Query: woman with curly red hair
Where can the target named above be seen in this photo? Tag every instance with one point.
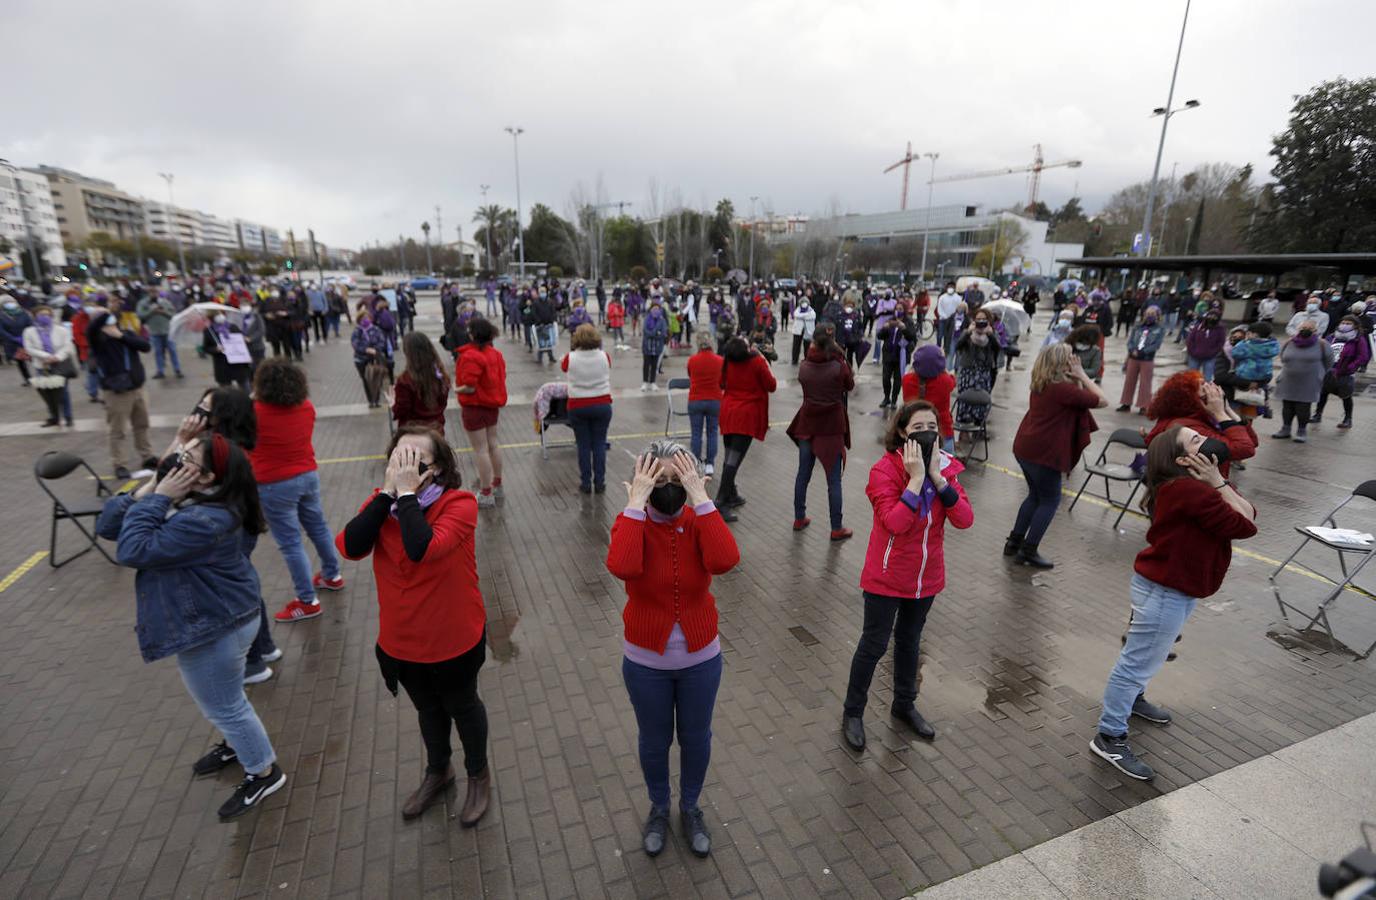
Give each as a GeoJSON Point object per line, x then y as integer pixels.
{"type": "Point", "coordinates": [1187, 399]}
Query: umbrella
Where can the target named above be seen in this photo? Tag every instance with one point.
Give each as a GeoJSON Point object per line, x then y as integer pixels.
{"type": "Point", "coordinates": [196, 318]}
{"type": "Point", "coordinates": [1069, 286]}
{"type": "Point", "coordinates": [1010, 309]}
{"type": "Point", "coordinates": [738, 275]}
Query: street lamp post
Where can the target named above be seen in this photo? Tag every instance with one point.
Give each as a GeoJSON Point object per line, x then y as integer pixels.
{"type": "Point", "coordinates": [516, 133]}
{"type": "Point", "coordinates": [429, 264]}
{"type": "Point", "coordinates": [176, 232]}
{"type": "Point", "coordinates": [24, 220]}
{"type": "Point", "coordinates": [1165, 112]}
{"type": "Point", "coordinates": [927, 229]}
{"type": "Point", "coordinates": [491, 266]}
{"type": "Point", "coordinates": [401, 243]}
{"type": "Point", "coordinates": [751, 273]}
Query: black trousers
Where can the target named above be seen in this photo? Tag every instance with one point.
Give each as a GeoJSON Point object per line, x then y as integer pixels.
{"type": "Point", "coordinates": [798, 341]}
{"type": "Point", "coordinates": [649, 368]}
{"type": "Point", "coordinates": [1323, 401]}
{"type": "Point", "coordinates": [318, 323]}
{"type": "Point", "coordinates": [445, 695]}
{"type": "Point", "coordinates": [892, 380]}
{"type": "Point", "coordinates": [735, 445]}
{"type": "Point", "coordinates": [904, 618]}
{"type": "Point", "coordinates": [1290, 410]}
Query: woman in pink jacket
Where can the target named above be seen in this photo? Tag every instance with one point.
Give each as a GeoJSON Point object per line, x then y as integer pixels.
{"type": "Point", "coordinates": [914, 492]}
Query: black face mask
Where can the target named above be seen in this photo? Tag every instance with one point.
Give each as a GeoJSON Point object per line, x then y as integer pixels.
{"type": "Point", "coordinates": [1215, 448]}
{"type": "Point", "coordinates": [169, 464]}
{"type": "Point", "coordinates": [668, 498]}
{"type": "Point", "coordinates": [926, 440]}
{"type": "Point", "coordinates": [1306, 332]}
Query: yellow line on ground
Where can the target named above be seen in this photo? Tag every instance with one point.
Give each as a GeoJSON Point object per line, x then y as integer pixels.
{"type": "Point", "coordinates": [20, 569]}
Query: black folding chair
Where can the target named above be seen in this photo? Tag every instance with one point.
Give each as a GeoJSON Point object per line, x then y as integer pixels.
{"type": "Point", "coordinates": [54, 466]}
{"type": "Point", "coordinates": [1365, 552]}
{"type": "Point", "coordinates": [675, 384]}
{"type": "Point", "coordinates": [1115, 471]}
{"type": "Point", "coordinates": [976, 428]}
{"type": "Point", "coordinates": [558, 415]}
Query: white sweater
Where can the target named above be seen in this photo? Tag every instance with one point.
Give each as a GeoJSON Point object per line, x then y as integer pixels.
{"type": "Point", "coordinates": [62, 347]}
{"type": "Point", "coordinates": [590, 373]}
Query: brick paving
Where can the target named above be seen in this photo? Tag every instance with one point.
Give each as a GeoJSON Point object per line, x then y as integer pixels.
{"type": "Point", "coordinates": [96, 798]}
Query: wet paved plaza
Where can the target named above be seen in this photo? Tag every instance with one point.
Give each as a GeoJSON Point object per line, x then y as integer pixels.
{"type": "Point", "coordinates": [97, 798]}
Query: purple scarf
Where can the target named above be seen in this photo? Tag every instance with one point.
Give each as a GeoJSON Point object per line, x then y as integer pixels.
{"type": "Point", "coordinates": [426, 497]}
{"type": "Point", "coordinates": [1300, 340]}
{"type": "Point", "coordinates": [45, 334]}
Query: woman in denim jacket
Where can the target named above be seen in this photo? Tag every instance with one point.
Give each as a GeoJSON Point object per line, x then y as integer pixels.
{"type": "Point", "coordinates": [198, 596]}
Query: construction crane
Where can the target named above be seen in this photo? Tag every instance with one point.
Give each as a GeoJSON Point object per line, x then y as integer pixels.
{"type": "Point", "coordinates": [906, 162]}
{"type": "Point", "coordinates": [1034, 181]}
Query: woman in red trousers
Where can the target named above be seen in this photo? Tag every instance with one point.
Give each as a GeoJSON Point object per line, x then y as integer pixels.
{"type": "Point", "coordinates": [746, 382]}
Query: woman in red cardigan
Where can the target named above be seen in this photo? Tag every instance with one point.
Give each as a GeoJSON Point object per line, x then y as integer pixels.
{"type": "Point", "coordinates": [432, 628]}
{"type": "Point", "coordinates": [746, 384]}
{"type": "Point", "coordinates": [481, 377]}
{"type": "Point", "coordinates": [666, 545]}
{"type": "Point", "coordinates": [1187, 399]}
{"type": "Point", "coordinates": [422, 391]}
{"type": "Point", "coordinates": [1196, 514]}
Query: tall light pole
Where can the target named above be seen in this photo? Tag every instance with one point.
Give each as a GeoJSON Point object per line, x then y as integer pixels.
{"type": "Point", "coordinates": [167, 213]}
{"type": "Point", "coordinates": [491, 266]}
{"type": "Point", "coordinates": [927, 229]}
{"type": "Point", "coordinates": [24, 220]}
{"type": "Point", "coordinates": [1165, 112]}
{"type": "Point", "coordinates": [751, 273]}
{"type": "Point", "coordinates": [516, 133]}
{"type": "Point", "coordinates": [429, 265]}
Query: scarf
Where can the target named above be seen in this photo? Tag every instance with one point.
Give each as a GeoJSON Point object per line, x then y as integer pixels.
{"type": "Point", "coordinates": [1300, 340]}
{"type": "Point", "coordinates": [426, 497]}
{"type": "Point", "coordinates": [45, 334]}
{"type": "Point", "coordinates": [924, 499]}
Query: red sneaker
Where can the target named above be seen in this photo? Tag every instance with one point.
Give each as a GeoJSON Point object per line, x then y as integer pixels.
{"type": "Point", "coordinates": [800, 524]}
{"type": "Point", "coordinates": [841, 534]}
{"type": "Point", "coordinates": [321, 583]}
{"type": "Point", "coordinates": [296, 611]}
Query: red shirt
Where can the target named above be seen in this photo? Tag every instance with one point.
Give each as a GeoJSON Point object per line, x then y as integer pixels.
{"type": "Point", "coordinates": [407, 408]}
{"type": "Point", "coordinates": [284, 447]}
{"type": "Point", "coordinates": [485, 369]}
{"type": "Point", "coordinates": [432, 610]}
{"type": "Point", "coordinates": [1190, 541]}
{"type": "Point", "coordinates": [1056, 428]}
{"type": "Point", "coordinates": [668, 568]}
{"type": "Point", "coordinates": [616, 314]}
{"type": "Point", "coordinates": [704, 376]}
{"type": "Point", "coordinates": [937, 392]}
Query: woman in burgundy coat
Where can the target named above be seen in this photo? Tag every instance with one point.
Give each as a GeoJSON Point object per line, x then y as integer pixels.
{"type": "Point", "coordinates": [746, 382]}
{"type": "Point", "coordinates": [821, 427]}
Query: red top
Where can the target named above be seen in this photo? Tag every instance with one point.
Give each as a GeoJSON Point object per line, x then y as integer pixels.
{"type": "Point", "coordinates": [704, 376]}
{"type": "Point", "coordinates": [906, 554]}
{"type": "Point", "coordinates": [79, 323]}
{"type": "Point", "coordinates": [1190, 541]}
{"type": "Point", "coordinates": [284, 447]}
{"type": "Point", "coordinates": [1056, 428]}
{"type": "Point", "coordinates": [616, 314]}
{"type": "Point", "coordinates": [577, 402]}
{"type": "Point", "coordinates": [822, 419]}
{"type": "Point", "coordinates": [485, 369]}
{"type": "Point", "coordinates": [432, 610]}
{"type": "Point", "coordinates": [1240, 438]}
{"type": "Point", "coordinates": [745, 398]}
{"type": "Point", "coordinates": [668, 568]}
{"type": "Point", "coordinates": [937, 392]}
{"type": "Point", "coordinates": [407, 409]}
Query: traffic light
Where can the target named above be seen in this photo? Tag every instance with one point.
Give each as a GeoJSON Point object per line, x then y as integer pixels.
{"type": "Point", "coordinates": [82, 266]}
{"type": "Point", "coordinates": [289, 265]}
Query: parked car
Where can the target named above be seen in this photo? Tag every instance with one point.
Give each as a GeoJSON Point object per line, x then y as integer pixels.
{"type": "Point", "coordinates": [425, 283]}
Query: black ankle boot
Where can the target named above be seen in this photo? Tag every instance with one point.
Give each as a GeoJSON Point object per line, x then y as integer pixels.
{"type": "Point", "coordinates": [1028, 556]}
{"type": "Point", "coordinates": [1012, 545]}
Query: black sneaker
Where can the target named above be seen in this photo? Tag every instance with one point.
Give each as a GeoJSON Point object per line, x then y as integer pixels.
{"type": "Point", "coordinates": [1119, 755]}
{"type": "Point", "coordinates": [219, 756]}
{"type": "Point", "coordinates": [699, 840]}
{"type": "Point", "coordinates": [1143, 708]}
{"type": "Point", "coordinates": [122, 473]}
{"type": "Point", "coordinates": [656, 827]}
{"type": "Point", "coordinates": [252, 791]}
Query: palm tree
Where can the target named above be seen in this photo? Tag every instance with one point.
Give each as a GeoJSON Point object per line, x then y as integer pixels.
{"type": "Point", "coordinates": [497, 231]}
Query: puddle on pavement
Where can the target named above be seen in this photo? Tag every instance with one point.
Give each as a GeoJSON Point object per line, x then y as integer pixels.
{"type": "Point", "coordinates": [499, 637]}
{"type": "Point", "coordinates": [1313, 641]}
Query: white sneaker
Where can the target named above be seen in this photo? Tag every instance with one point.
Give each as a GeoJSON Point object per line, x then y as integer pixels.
{"type": "Point", "coordinates": [275, 655]}
{"type": "Point", "coordinates": [644, 386]}
{"type": "Point", "coordinates": [497, 491]}
{"type": "Point", "coordinates": [709, 469]}
{"type": "Point", "coordinates": [258, 676]}
{"type": "Point", "coordinates": [486, 501]}
{"type": "Point", "coordinates": [654, 387]}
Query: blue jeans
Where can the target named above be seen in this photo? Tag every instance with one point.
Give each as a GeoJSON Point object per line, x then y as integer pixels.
{"type": "Point", "coordinates": [1039, 508]}
{"type": "Point", "coordinates": [214, 677]}
{"type": "Point", "coordinates": [702, 417]}
{"type": "Point", "coordinates": [162, 348]}
{"type": "Point", "coordinates": [669, 700]}
{"type": "Point", "coordinates": [1158, 614]}
{"type": "Point", "coordinates": [293, 505]}
{"type": "Point", "coordinates": [804, 477]}
{"type": "Point", "coordinates": [1204, 365]}
{"type": "Point", "coordinates": [590, 425]}
{"type": "Point", "coordinates": [92, 380]}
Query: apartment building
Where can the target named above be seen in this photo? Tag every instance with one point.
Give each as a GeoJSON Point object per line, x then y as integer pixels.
{"type": "Point", "coordinates": [27, 213]}
{"type": "Point", "coordinates": [83, 205]}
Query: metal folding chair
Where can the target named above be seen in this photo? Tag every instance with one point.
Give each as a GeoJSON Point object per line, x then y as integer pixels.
{"type": "Point", "coordinates": [1364, 552]}
{"type": "Point", "coordinates": [1114, 471]}
{"type": "Point", "coordinates": [558, 415]}
{"type": "Point", "coordinates": [976, 429]}
{"type": "Point", "coordinates": [675, 384]}
{"type": "Point", "coordinates": [54, 466]}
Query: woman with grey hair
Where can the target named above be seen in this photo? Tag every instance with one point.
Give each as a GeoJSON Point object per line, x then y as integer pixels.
{"type": "Point", "coordinates": [666, 545]}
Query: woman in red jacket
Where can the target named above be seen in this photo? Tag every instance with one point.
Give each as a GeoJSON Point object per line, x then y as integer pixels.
{"type": "Point", "coordinates": [704, 400]}
{"type": "Point", "coordinates": [746, 384]}
{"type": "Point", "coordinates": [616, 321]}
{"type": "Point", "coordinates": [930, 381]}
{"type": "Point", "coordinates": [821, 427]}
{"type": "Point", "coordinates": [1187, 399]}
{"type": "Point", "coordinates": [1052, 435]}
{"type": "Point", "coordinates": [1196, 514]}
{"type": "Point", "coordinates": [481, 377]}
{"type": "Point", "coordinates": [422, 391]}
{"type": "Point", "coordinates": [914, 492]}
{"type": "Point", "coordinates": [666, 545]}
{"type": "Point", "coordinates": [432, 628]}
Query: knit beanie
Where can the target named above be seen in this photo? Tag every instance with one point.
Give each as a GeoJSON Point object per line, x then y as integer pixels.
{"type": "Point", "coordinates": [929, 361]}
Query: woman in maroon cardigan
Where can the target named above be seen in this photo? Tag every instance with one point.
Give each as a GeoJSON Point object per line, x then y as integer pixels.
{"type": "Point", "coordinates": [422, 391]}
{"type": "Point", "coordinates": [1050, 439]}
{"type": "Point", "coordinates": [746, 383]}
{"type": "Point", "coordinates": [666, 545]}
{"type": "Point", "coordinates": [821, 427]}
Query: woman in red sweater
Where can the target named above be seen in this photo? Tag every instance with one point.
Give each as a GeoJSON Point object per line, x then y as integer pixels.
{"type": "Point", "coordinates": [481, 376]}
{"type": "Point", "coordinates": [666, 545]}
{"type": "Point", "coordinates": [821, 427]}
{"type": "Point", "coordinates": [1052, 435]}
{"type": "Point", "coordinates": [704, 400]}
{"type": "Point", "coordinates": [422, 391]}
{"type": "Point", "coordinates": [746, 382]}
{"type": "Point", "coordinates": [1187, 399]}
{"type": "Point", "coordinates": [288, 486]}
{"type": "Point", "coordinates": [1196, 514]}
{"type": "Point", "coordinates": [432, 628]}
{"type": "Point", "coordinates": [930, 381]}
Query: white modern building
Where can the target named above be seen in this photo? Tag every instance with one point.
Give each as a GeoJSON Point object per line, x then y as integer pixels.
{"type": "Point", "coordinates": [172, 223]}
{"type": "Point", "coordinates": [218, 233]}
{"type": "Point", "coordinates": [27, 213]}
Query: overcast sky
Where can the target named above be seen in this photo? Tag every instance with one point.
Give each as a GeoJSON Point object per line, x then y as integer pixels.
{"type": "Point", "coordinates": [357, 118]}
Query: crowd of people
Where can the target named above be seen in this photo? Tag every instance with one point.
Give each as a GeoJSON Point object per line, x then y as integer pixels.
{"type": "Point", "coordinates": [243, 464]}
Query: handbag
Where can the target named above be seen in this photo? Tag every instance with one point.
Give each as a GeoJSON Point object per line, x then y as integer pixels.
{"type": "Point", "coordinates": [65, 367]}
{"type": "Point", "coordinates": [1341, 385]}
